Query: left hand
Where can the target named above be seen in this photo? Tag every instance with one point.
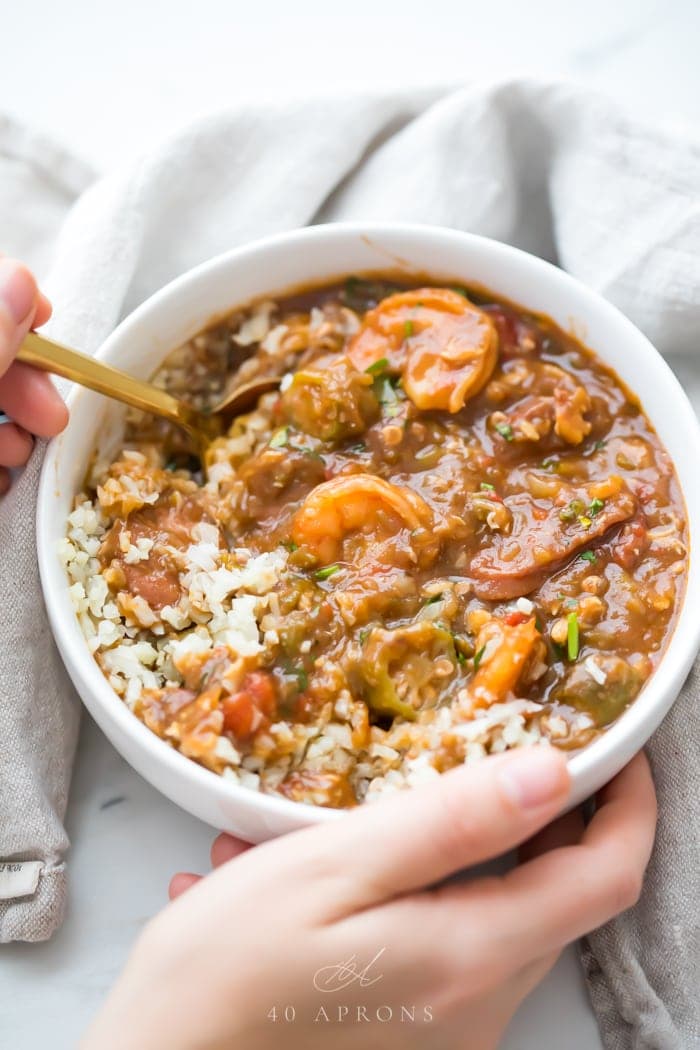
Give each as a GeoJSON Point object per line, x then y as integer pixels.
{"type": "Point", "coordinates": [27, 396]}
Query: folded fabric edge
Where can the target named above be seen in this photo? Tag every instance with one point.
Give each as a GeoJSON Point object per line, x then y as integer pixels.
{"type": "Point", "coordinates": [35, 917]}
{"type": "Point", "coordinates": [58, 165]}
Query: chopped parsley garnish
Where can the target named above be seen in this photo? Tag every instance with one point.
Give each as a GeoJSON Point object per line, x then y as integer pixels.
{"type": "Point", "coordinates": [505, 430]}
{"type": "Point", "coordinates": [486, 486]}
{"type": "Point", "coordinates": [572, 636]}
{"type": "Point", "coordinates": [408, 329]}
{"type": "Point", "coordinates": [459, 290]}
{"type": "Point", "coordinates": [291, 546]}
{"type": "Point", "coordinates": [280, 438]}
{"type": "Point", "coordinates": [599, 444]}
{"type": "Point", "coordinates": [478, 657]}
{"type": "Point", "coordinates": [327, 571]}
{"type": "Point", "coordinates": [588, 556]}
{"type": "Point", "coordinates": [549, 464]}
{"type": "Point", "coordinates": [364, 635]}
{"type": "Point", "coordinates": [378, 367]}
{"type": "Point", "coordinates": [595, 507]}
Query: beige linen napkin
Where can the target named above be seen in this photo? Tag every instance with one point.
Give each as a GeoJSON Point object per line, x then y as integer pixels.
{"type": "Point", "coordinates": [548, 167]}
{"type": "Point", "coordinates": [38, 710]}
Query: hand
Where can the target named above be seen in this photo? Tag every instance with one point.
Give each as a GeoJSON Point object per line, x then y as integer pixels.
{"type": "Point", "coordinates": [239, 956]}
{"type": "Point", "coordinates": [27, 396]}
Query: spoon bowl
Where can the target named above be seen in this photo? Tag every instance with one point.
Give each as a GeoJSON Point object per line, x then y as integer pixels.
{"type": "Point", "coordinates": [203, 427]}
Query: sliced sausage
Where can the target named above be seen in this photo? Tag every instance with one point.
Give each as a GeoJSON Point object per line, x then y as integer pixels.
{"type": "Point", "coordinates": [542, 540]}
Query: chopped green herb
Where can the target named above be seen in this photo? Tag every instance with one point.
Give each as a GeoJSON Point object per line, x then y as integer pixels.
{"type": "Point", "coordinates": [358, 447]}
{"type": "Point", "coordinates": [433, 599]}
{"type": "Point", "coordinates": [364, 635]}
{"type": "Point", "coordinates": [478, 657]}
{"type": "Point", "coordinates": [572, 636]}
{"type": "Point", "coordinates": [572, 511]}
{"type": "Point", "coordinates": [327, 571]}
{"type": "Point", "coordinates": [408, 329]}
{"type": "Point", "coordinates": [549, 464]}
{"type": "Point", "coordinates": [386, 394]}
{"type": "Point", "coordinates": [291, 546]}
{"type": "Point", "coordinates": [599, 444]}
{"type": "Point", "coordinates": [280, 438]}
{"type": "Point", "coordinates": [462, 648]}
{"type": "Point", "coordinates": [539, 626]}
{"type": "Point", "coordinates": [171, 464]}
{"type": "Point", "coordinates": [505, 430]}
{"type": "Point", "coordinates": [486, 486]}
{"type": "Point", "coordinates": [588, 556]}
{"type": "Point", "coordinates": [378, 366]}
{"type": "Point", "coordinates": [302, 677]}
{"type": "Point", "coordinates": [596, 507]}
{"type": "Point", "coordinates": [459, 290]}
{"type": "Point", "coordinates": [310, 452]}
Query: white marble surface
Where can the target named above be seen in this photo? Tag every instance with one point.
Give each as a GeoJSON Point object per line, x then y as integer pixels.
{"type": "Point", "coordinates": [106, 80]}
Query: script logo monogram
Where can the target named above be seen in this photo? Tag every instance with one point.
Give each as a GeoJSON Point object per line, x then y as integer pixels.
{"type": "Point", "coordinates": [341, 975]}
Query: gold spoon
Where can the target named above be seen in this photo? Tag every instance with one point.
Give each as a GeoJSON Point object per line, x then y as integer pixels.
{"type": "Point", "coordinates": [204, 427]}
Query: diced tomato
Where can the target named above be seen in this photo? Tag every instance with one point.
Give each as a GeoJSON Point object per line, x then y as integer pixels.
{"type": "Point", "coordinates": [514, 619]}
{"type": "Point", "coordinates": [252, 708]}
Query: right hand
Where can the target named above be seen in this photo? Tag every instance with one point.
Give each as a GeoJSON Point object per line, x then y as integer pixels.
{"type": "Point", "coordinates": [251, 937]}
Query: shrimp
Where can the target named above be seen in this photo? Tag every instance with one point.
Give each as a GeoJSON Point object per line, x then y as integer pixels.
{"type": "Point", "coordinates": [356, 503]}
{"type": "Point", "coordinates": [444, 347]}
{"type": "Point", "coordinates": [505, 652]}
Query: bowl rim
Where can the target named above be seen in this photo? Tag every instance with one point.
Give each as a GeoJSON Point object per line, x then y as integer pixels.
{"type": "Point", "coordinates": [621, 738]}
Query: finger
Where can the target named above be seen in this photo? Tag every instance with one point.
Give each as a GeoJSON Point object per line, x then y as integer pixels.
{"type": "Point", "coordinates": [182, 882]}
{"type": "Point", "coordinates": [43, 311]}
{"type": "Point", "coordinates": [414, 839]}
{"type": "Point", "coordinates": [31, 400]}
{"type": "Point", "coordinates": [226, 847]}
{"type": "Point", "coordinates": [565, 831]}
{"type": "Point", "coordinates": [15, 445]}
{"type": "Point", "coordinates": [18, 300]}
{"type": "Point", "coordinates": [4, 481]}
{"type": "Point", "coordinates": [556, 898]}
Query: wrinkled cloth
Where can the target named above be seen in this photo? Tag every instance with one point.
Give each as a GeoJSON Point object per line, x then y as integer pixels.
{"type": "Point", "coordinates": [551, 168]}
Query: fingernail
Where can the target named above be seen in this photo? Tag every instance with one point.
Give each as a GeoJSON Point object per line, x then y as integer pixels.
{"type": "Point", "coordinates": [17, 290]}
{"type": "Point", "coordinates": [533, 776]}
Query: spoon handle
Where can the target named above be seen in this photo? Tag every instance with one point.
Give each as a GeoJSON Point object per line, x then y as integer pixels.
{"type": "Point", "coordinates": [43, 353]}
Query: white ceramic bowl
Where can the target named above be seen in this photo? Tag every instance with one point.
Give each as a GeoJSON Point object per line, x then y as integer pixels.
{"type": "Point", "coordinates": [316, 254]}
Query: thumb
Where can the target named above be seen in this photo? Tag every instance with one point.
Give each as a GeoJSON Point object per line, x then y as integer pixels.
{"type": "Point", "coordinates": [18, 301]}
{"type": "Point", "coordinates": [468, 815]}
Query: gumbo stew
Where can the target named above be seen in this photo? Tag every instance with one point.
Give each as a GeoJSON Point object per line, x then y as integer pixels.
{"type": "Point", "coordinates": [453, 531]}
